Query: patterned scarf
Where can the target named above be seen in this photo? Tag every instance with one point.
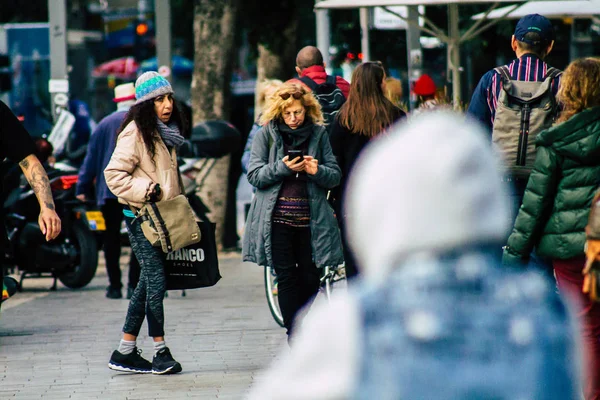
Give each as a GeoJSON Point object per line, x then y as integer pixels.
{"type": "Point", "coordinates": [170, 133]}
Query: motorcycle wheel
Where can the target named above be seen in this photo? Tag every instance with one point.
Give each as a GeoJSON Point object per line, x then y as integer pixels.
{"type": "Point", "coordinates": [85, 242]}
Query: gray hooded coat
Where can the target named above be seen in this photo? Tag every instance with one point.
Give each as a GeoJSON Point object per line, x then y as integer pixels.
{"type": "Point", "coordinates": [266, 172]}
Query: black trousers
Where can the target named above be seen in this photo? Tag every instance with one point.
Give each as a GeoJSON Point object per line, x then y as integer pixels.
{"type": "Point", "coordinates": [113, 216]}
{"type": "Point", "coordinates": [297, 275]}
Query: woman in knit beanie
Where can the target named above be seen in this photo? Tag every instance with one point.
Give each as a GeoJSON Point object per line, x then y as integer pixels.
{"type": "Point", "coordinates": [143, 169]}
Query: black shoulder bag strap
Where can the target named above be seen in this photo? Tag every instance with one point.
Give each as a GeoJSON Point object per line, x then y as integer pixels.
{"type": "Point", "coordinates": [332, 80]}
{"type": "Point", "coordinates": [309, 82]}
{"type": "Point", "coordinates": [163, 226]}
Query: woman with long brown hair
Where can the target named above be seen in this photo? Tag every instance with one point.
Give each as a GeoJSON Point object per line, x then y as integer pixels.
{"type": "Point", "coordinates": [143, 169]}
{"type": "Point", "coordinates": [557, 202]}
{"type": "Point", "coordinates": [366, 114]}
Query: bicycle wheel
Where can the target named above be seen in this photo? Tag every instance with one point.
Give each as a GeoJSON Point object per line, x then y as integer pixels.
{"type": "Point", "coordinates": [271, 292]}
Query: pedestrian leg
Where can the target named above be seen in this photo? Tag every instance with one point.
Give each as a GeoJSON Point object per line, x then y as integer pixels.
{"type": "Point", "coordinates": [308, 272]}
{"type": "Point", "coordinates": [113, 216]}
{"type": "Point", "coordinates": [289, 286]}
{"type": "Point", "coordinates": [134, 274]}
{"type": "Point", "coordinates": [570, 284]}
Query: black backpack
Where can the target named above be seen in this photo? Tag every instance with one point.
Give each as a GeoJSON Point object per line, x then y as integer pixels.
{"type": "Point", "coordinates": [329, 95]}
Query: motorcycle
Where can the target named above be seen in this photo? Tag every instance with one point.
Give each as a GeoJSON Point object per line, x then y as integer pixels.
{"type": "Point", "coordinates": [72, 257]}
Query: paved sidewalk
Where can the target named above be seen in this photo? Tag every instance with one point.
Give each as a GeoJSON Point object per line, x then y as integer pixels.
{"type": "Point", "coordinates": [56, 345]}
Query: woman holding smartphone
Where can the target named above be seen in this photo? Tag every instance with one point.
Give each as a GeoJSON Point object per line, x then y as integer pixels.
{"type": "Point", "coordinates": [291, 226]}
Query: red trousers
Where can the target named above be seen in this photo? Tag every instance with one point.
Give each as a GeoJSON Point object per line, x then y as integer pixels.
{"type": "Point", "coordinates": [570, 282]}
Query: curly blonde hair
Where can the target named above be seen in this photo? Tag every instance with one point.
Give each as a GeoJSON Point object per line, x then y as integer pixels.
{"type": "Point", "coordinates": [579, 87]}
{"type": "Point", "coordinates": [393, 90]}
{"type": "Point", "coordinates": [276, 104]}
{"type": "Point", "coordinates": [263, 88]}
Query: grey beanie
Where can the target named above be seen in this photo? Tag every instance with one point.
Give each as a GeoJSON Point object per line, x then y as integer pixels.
{"type": "Point", "coordinates": [150, 85]}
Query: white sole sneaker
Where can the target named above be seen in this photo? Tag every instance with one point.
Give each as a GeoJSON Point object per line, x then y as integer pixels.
{"type": "Point", "coordinates": [171, 370]}
{"type": "Point", "coordinates": [120, 368]}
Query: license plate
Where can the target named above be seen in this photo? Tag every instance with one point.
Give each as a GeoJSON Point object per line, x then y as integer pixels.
{"type": "Point", "coordinates": [96, 220]}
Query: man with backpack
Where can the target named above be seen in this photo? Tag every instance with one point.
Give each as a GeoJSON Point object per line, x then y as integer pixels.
{"type": "Point", "coordinates": [517, 101]}
{"type": "Point", "coordinates": [331, 91]}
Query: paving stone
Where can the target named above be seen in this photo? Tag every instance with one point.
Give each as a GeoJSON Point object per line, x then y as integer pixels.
{"type": "Point", "coordinates": [56, 345]}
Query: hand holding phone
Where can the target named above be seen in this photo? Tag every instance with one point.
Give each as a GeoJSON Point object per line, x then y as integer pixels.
{"type": "Point", "coordinates": [293, 153]}
{"type": "Point", "coordinates": [294, 160]}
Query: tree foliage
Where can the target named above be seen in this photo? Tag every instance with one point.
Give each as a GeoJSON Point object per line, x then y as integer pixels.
{"type": "Point", "coordinates": [277, 29]}
{"type": "Point", "coordinates": [17, 11]}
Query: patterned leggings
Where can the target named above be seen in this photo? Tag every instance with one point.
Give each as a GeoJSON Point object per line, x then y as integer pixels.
{"type": "Point", "coordinates": [147, 299]}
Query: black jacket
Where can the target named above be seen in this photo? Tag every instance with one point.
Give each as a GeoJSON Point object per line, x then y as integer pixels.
{"type": "Point", "coordinates": [347, 146]}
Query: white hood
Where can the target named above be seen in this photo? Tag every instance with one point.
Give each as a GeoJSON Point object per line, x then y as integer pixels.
{"type": "Point", "coordinates": [430, 185]}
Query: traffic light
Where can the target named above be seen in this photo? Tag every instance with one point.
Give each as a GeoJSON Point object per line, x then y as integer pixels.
{"type": "Point", "coordinates": [141, 29]}
{"type": "Point", "coordinates": [143, 43]}
{"type": "Point", "coordinates": [5, 73]}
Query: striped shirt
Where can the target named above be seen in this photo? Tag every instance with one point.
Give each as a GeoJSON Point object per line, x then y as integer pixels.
{"type": "Point", "coordinates": [485, 97]}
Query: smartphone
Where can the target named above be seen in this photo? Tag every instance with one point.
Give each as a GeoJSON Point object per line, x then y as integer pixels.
{"type": "Point", "coordinates": [291, 153]}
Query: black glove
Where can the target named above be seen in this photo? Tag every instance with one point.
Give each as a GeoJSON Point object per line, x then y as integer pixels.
{"type": "Point", "coordinates": [156, 192]}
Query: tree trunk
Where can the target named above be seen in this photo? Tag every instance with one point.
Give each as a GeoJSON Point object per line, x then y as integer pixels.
{"type": "Point", "coordinates": [214, 34]}
{"type": "Point", "coordinates": [277, 60]}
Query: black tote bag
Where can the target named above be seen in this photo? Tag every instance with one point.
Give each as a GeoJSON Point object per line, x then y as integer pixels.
{"type": "Point", "coordinates": [196, 265]}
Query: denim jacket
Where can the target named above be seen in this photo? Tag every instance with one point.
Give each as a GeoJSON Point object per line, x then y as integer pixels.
{"type": "Point", "coordinates": [460, 327]}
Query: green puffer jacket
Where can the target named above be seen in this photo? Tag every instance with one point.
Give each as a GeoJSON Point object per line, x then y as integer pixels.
{"type": "Point", "coordinates": [559, 193]}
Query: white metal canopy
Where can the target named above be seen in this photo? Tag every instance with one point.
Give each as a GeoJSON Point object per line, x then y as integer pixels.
{"type": "Point", "coordinates": [453, 38]}
{"type": "Point", "coordinates": [383, 3]}
{"type": "Point", "coordinates": [549, 9]}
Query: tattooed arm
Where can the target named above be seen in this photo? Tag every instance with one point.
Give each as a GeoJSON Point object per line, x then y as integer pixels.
{"type": "Point", "coordinates": [38, 179]}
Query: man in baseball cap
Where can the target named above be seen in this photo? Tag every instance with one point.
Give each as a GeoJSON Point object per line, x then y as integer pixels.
{"type": "Point", "coordinates": [532, 41]}
{"type": "Point", "coordinates": [500, 97]}
{"type": "Point", "coordinates": [101, 146]}
{"type": "Point", "coordinates": [535, 30]}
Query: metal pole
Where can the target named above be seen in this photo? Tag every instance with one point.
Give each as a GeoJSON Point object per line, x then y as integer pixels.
{"type": "Point", "coordinates": [59, 79]}
{"type": "Point", "coordinates": [323, 35]}
{"type": "Point", "coordinates": [573, 42]}
{"type": "Point", "coordinates": [454, 53]}
{"type": "Point", "coordinates": [364, 34]}
{"type": "Point", "coordinates": [162, 17]}
{"type": "Point", "coordinates": [414, 53]}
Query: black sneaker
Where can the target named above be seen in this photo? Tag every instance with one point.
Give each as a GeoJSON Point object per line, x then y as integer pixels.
{"type": "Point", "coordinates": [132, 362]}
{"type": "Point", "coordinates": [113, 293]}
{"type": "Point", "coordinates": [163, 363]}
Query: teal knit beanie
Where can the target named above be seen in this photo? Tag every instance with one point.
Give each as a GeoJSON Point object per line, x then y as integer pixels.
{"type": "Point", "coordinates": [150, 85]}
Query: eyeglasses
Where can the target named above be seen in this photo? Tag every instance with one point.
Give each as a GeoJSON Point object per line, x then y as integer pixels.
{"type": "Point", "coordinates": [297, 114]}
{"type": "Point", "coordinates": [295, 95]}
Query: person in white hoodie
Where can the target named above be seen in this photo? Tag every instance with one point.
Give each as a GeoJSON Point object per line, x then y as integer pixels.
{"type": "Point", "coordinates": [434, 316]}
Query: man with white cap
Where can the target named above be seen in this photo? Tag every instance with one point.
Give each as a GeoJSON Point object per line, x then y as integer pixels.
{"type": "Point", "coordinates": [434, 316]}
{"type": "Point", "coordinates": [100, 149]}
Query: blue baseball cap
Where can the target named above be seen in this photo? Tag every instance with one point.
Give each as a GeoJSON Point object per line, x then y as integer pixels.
{"type": "Point", "coordinates": [534, 23]}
